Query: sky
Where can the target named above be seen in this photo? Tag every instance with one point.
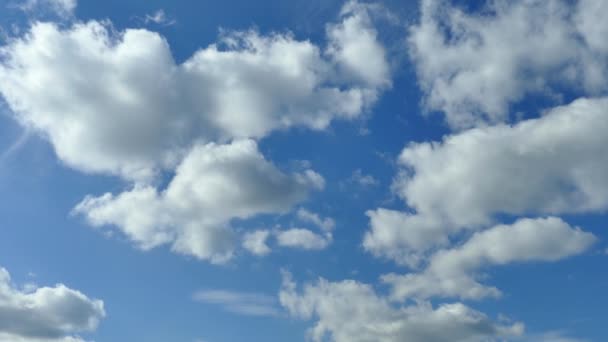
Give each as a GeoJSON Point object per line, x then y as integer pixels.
{"type": "Point", "coordinates": [346, 171]}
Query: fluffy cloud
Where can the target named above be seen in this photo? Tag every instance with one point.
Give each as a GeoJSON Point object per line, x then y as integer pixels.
{"type": "Point", "coordinates": [303, 239]}
{"type": "Point", "coordinates": [46, 314]}
{"type": "Point", "coordinates": [349, 311]}
{"type": "Point", "coordinates": [255, 242]}
{"type": "Point", "coordinates": [551, 165]}
{"type": "Point", "coordinates": [117, 102]}
{"type": "Point", "coordinates": [401, 236]}
{"type": "Point", "coordinates": [473, 66]}
{"type": "Point", "coordinates": [355, 49]}
{"type": "Point", "coordinates": [213, 185]}
{"type": "Point", "coordinates": [451, 273]}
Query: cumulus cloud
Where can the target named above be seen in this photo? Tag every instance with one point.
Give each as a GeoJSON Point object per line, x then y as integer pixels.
{"type": "Point", "coordinates": [355, 47]}
{"type": "Point", "coordinates": [117, 102]}
{"type": "Point", "coordinates": [256, 242]}
{"type": "Point", "coordinates": [242, 303]}
{"type": "Point", "coordinates": [548, 166]}
{"type": "Point", "coordinates": [452, 272]}
{"type": "Point", "coordinates": [303, 239]}
{"type": "Point", "coordinates": [213, 185]}
{"type": "Point", "coordinates": [473, 66]}
{"type": "Point", "coordinates": [45, 314]}
{"type": "Point", "coordinates": [349, 311]}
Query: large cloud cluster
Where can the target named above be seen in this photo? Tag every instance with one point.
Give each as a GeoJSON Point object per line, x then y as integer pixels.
{"type": "Point", "coordinates": [118, 103]}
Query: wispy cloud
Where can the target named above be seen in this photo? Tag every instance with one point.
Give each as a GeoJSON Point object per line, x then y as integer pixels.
{"type": "Point", "coordinates": [62, 8]}
{"type": "Point", "coordinates": [327, 224]}
{"type": "Point", "coordinates": [160, 18]}
{"type": "Point", "coordinates": [242, 303]}
{"type": "Point", "coordinates": [14, 147]}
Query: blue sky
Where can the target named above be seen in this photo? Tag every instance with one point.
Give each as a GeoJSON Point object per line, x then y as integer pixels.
{"type": "Point", "coordinates": [386, 171]}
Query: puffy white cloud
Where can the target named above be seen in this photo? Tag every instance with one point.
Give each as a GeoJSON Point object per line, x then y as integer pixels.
{"type": "Point", "coordinates": [452, 272]}
{"type": "Point", "coordinates": [355, 48]}
{"type": "Point", "coordinates": [213, 185]}
{"type": "Point", "coordinates": [350, 311]}
{"type": "Point", "coordinates": [303, 239]}
{"type": "Point", "coordinates": [548, 166]}
{"type": "Point", "coordinates": [473, 66]}
{"type": "Point", "coordinates": [403, 237]}
{"type": "Point", "coordinates": [46, 314]}
{"type": "Point", "coordinates": [255, 242]}
{"type": "Point", "coordinates": [117, 102]}
{"type": "Point", "coordinates": [242, 303]}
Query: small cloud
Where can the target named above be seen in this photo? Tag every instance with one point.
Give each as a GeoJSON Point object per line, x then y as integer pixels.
{"type": "Point", "coordinates": [160, 18]}
{"type": "Point", "coordinates": [361, 179]}
{"type": "Point", "coordinates": [327, 223]}
{"type": "Point", "coordinates": [255, 242]}
{"type": "Point", "coordinates": [242, 303]}
{"type": "Point", "coordinates": [303, 239]}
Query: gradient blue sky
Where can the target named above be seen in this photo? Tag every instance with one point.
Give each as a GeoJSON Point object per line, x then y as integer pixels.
{"type": "Point", "coordinates": [515, 60]}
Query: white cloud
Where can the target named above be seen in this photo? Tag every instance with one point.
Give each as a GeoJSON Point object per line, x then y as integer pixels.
{"type": "Point", "coordinates": [160, 18]}
{"type": "Point", "coordinates": [243, 303]}
{"type": "Point", "coordinates": [255, 242]}
{"type": "Point", "coordinates": [453, 272]}
{"type": "Point", "coordinates": [547, 166]}
{"type": "Point", "coordinates": [327, 224]}
{"type": "Point", "coordinates": [63, 8]}
{"type": "Point", "coordinates": [356, 49]}
{"type": "Point", "coordinates": [116, 102]}
{"type": "Point", "coordinates": [403, 237]}
{"type": "Point", "coordinates": [303, 239]}
{"type": "Point", "coordinates": [213, 185]}
{"type": "Point", "coordinates": [45, 314]}
{"type": "Point", "coordinates": [350, 311]}
{"type": "Point", "coordinates": [473, 66]}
